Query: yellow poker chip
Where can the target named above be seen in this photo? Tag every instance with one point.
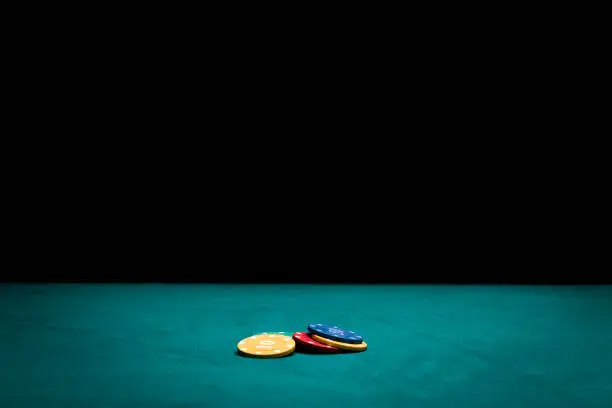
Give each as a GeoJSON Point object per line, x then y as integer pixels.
{"type": "Point", "coordinates": [267, 345]}
{"type": "Point", "coordinates": [345, 346]}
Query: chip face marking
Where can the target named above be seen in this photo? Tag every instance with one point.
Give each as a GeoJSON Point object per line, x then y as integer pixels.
{"type": "Point", "coordinates": [335, 333]}
{"type": "Point", "coordinates": [267, 345]}
{"type": "Point", "coordinates": [276, 333]}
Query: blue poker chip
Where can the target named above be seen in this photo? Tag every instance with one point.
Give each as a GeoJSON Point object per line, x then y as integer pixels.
{"type": "Point", "coordinates": [335, 333]}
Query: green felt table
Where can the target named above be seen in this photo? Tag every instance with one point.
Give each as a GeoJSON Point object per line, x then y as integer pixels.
{"type": "Point", "coordinates": [173, 345]}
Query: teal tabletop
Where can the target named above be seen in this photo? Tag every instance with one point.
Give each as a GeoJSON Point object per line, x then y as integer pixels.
{"type": "Point", "coordinates": [174, 345]}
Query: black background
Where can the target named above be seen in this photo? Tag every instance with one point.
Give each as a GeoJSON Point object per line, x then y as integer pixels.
{"type": "Point", "coordinates": [226, 214]}
{"type": "Point", "coordinates": [349, 161]}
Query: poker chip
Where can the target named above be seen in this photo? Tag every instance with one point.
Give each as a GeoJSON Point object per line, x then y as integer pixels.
{"type": "Point", "coordinates": [266, 345]}
{"type": "Point", "coordinates": [304, 340]}
{"type": "Point", "coordinates": [335, 333]}
{"type": "Point", "coordinates": [344, 346]}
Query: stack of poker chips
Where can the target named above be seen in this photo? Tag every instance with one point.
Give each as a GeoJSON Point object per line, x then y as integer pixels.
{"type": "Point", "coordinates": [330, 339]}
{"type": "Point", "coordinates": [320, 338]}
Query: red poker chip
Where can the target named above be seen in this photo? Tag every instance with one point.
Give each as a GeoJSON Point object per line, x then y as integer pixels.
{"type": "Point", "coordinates": [303, 339]}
